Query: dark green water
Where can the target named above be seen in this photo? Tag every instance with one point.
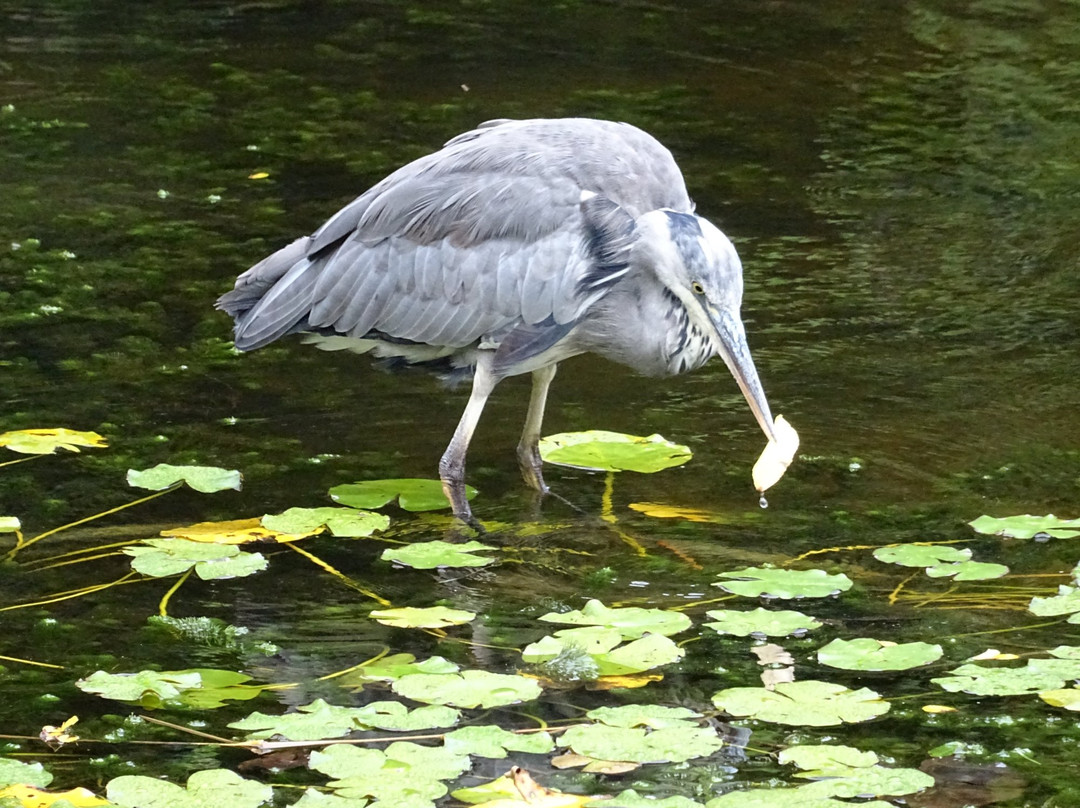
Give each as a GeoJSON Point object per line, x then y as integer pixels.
{"type": "Point", "coordinates": [899, 178]}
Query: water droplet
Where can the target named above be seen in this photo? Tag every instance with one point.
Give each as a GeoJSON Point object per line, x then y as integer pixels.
{"type": "Point", "coordinates": [764, 503]}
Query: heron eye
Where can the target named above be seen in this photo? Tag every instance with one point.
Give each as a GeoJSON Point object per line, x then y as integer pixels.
{"type": "Point", "coordinates": [697, 288]}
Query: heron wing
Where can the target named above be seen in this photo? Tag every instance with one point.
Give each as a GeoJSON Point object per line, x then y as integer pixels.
{"type": "Point", "coordinates": [514, 225]}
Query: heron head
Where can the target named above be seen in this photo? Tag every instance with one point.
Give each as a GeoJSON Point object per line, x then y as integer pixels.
{"type": "Point", "coordinates": [699, 265]}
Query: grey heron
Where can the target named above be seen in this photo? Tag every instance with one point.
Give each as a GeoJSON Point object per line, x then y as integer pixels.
{"type": "Point", "coordinates": [519, 244]}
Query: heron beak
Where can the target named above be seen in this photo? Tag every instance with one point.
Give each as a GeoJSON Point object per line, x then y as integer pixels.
{"type": "Point", "coordinates": [736, 355]}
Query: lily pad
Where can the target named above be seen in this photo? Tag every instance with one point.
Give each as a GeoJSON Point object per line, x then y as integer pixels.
{"type": "Point", "coordinates": [761, 622]}
{"type": "Point", "coordinates": [1036, 676]}
{"type": "Point", "coordinates": [24, 796]}
{"type": "Point", "coordinates": [650, 716]}
{"type": "Point", "coordinates": [205, 789]}
{"type": "Point", "coordinates": [819, 760]}
{"type": "Point", "coordinates": [1069, 698]}
{"type": "Point", "coordinates": [319, 720]}
{"type": "Point", "coordinates": [769, 582]}
{"type": "Point", "coordinates": [785, 798]}
{"type": "Point", "coordinates": [601, 646]}
{"type": "Point", "coordinates": [968, 571]}
{"type": "Point", "coordinates": [200, 688]}
{"type": "Point", "coordinates": [921, 555]}
{"type": "Point", "coordinates": [631, 799]}
{"type": "Point", "coordinates": [1027, 526]}
{"type": "Point", "coordinates": [630, 622]}
{"type": "Point", "coordinates": [394, 666]}
{"type": "Point", "coordinates": [469, 689]}
{"type": "Point", "coordinates": [1066, 601]}
{"type": "Point", "coordinates": [495, 742]}
{"type": "Point", "coordinates": [161, 558]}
{"type": "Point", "coordinates": [430, 555]}
{"type": "Point", "coordinates": [15, 772]}
{"type": "Point", "coordinates": [341, 761]}
{"type": "Point", "coordinates": [345, 522]}
{"type": "Point", "coordinates": [206, 479]}
{"type": "Point", "coordinates": [411, 494]}
{"type": "Point", "coordinates": [637, 745]}
{"type": "Point", "coordinates": [807, 703]}
{"type": "Point", "coordinates": [313, 798]}
{"type": "Point", "coordinates": [47, 441]}
{"type": "Point", "coordinates": [878, 780]}
{"type": "Point", "coordinates": [233, 531]}
{"type": "Point", "coordinates": [598, 450]}
{"type": "Point", "coordinates": [430, 617]}
{"type": "Point", "coordinates": [865, 654]}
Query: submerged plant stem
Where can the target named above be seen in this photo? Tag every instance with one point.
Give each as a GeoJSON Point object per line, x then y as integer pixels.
{"type": "Point", "coordinates": [341, 576]}
{"type": "Point", "coordinates": [163, 606]}
{"type": "Point", "coordinates": [83, 521]}
{"type": "Point", "coordinates": [129, 578]}
{"type": "Point", "coordinates": [20, 460]}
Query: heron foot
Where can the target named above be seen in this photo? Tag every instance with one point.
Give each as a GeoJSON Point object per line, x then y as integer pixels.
{"type": "Point", "coordinates": [531, 465]}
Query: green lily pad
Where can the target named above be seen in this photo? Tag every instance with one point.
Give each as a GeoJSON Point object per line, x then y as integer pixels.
{"type": "Point", "coordinates": [638, 745]}
{"type": "Point", "coordinates": [394, 666]}
{"type": "Point", "coordinates": [761, 622]}
{"type": "Point", "coordinates": [819, 760]}
{"type": "Point", "coordinates": [968, 571]}
{"type": "Point", "coordinates": [430, 617]}
{"type": "Point", "coordinates": [341, 761]}
{"type": "Point", "coordinates": [346, 522]}
{"type": "Point", "coordinates": [15, 772]}
{"type": "Point", "coordinates": [785, 798]}
{"type": "Point", "coordinates": [921, 555]}
{"type": "Point", "coordinates": [631, 799]}
{"type": "Point", "coordinates": [601, 645]}
{"type": "Point", "coordinates": [411, 494]}
{"type": "Point", "coordinates": [161, 558]}
{"type": "Point", "coordinates": [47, 441]}
{"type": "Point", "coordinates": [1027, 526]}
{"type": "Point", "coordinates": [1066, 601]}
{"type": "Point", "coordinates": [205, 789]}
{"type": "Point", "coordinates": [495, 742]}
{"type": "Point", "coordinates": [807, 703]}
{"type": "Point", "coordinates": [865, 654]}
{"type": "Point", "coordinates": [1037, 675]}
{"type": "Point", "coordinates": [878, 780]}
{"type": "Point", "coordinates": [319, 720]}
{"type": "Point", "coordinates": [598, 450]}
{"type": "Point", "coordinates": [630, 622]}
{"type": "Point", "coordinates": [753, 582]}
{"type": "Point", "coordinates": [201, 688]}
{"type": "Point", "coordinates": [313, 798]}
{"type": "Point", "coordinates": [430, 555]}
{"type": "Point", "coordinates": [650, 716]}
{"type": "Point", "coordinates": [206, 479]}
{"type": "Point", "coordinates": [467, 689]}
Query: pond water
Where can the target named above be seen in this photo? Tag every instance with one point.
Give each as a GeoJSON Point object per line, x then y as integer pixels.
{"type": "Point", "coordinates": [900, 180]}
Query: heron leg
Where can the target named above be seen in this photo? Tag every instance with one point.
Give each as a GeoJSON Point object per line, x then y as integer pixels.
{"type": "Point", "coordinates": [452, 464]}
{"type": "Point", "coordinates": [528, 450]}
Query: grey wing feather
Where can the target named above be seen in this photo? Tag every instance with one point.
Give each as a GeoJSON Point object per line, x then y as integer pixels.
{"type": "Point", "coordinates": [525, 222]}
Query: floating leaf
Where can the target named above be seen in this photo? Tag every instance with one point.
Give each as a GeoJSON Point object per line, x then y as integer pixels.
{"type": "Point", "coordinates": [47, 441]}
{"type": "Point", "coordinates": [819, 760]}
{"type": "Point", "coordinates": [1027, 526]}
{"type": "Point", "coordinates": [921, 555]}
{"type": "Point", "coordinates": [234, 531]}
{"type": "Point", "coordinates": [808, 703]}
{"type": "Point", "coordinates": [1037, 675]}
{"type": "Point", "coordinates": [785, 798]}
{"type": "Point", "coordinates": [777, 455]}
{"type": "Point", "coordinates": [601, 646]}
{"type": "Point", "coordinates": [631, 799]}
{"type": "Point", "coordinates": [432, 762]}
{"type": "Point", "coordinates": [495, 742]}
{"type": "Point", "coordinates": [501, 788]}
{"type": "Point", "coordinates": [467, 689]}
{"type": "Point", "coordinates": [878, 780]}
{"type": "Point", "coordinates": [394, 666]}
{"type": "Point", "coordinates": [55, 737]}
{"type": "Point", "coordinates": [761, 622]}
{"type": "Point", "coordinates": [968, 571]}
{"type": "Point", "coordinates": [319, 720]}
{"type": "Point", "coordinates": [411, 494]}
{"type": "Point", "coordinates": [865, 654]}
{"type": "Point", "coordinates": [345, 522]}
{"type": "Point", "coordinates": [160, 558]}
{"type": "Point", "coordinates": [430, 617]}
{"type": "Point", "coordinates": [429, 555]}
{"type": "Point", "coordinates": [636, 745]}
{"type": "Point", "coordinates": [1066, 601]}
{"type": "Point", "coordinates": [598, 450]}
{"type": "Point", "coordinates": [26, 796]}
{"type": "Point", "coordinates": [1069, 698]}
{"type": "Point", "coordinates": [661, 510]}
{"type": "Point", "coordinates": [630, 622]}
{"type": "Point", "coordinates": [651, 651]}
{"type": "Point", "coordinates": [206, 479]}
{"type": "Point", "coordinates": [15, 772]}
{"type": "Point", "coordinates": [205, 789]}
{"type": "Point", "coordinates": [650, 716]}
{"type": "Point", "coordinates": [779, 583]}
{"type": "Point", "coordinates": [202, 688]}
{"type": "Point", "coordinates": [313, 798]}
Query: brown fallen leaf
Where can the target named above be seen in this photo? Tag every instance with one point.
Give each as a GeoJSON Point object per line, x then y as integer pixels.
{"type": "Point", "coordinates": [778, 454]}
{"type": "Point", "coordinates": [56, 737]}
